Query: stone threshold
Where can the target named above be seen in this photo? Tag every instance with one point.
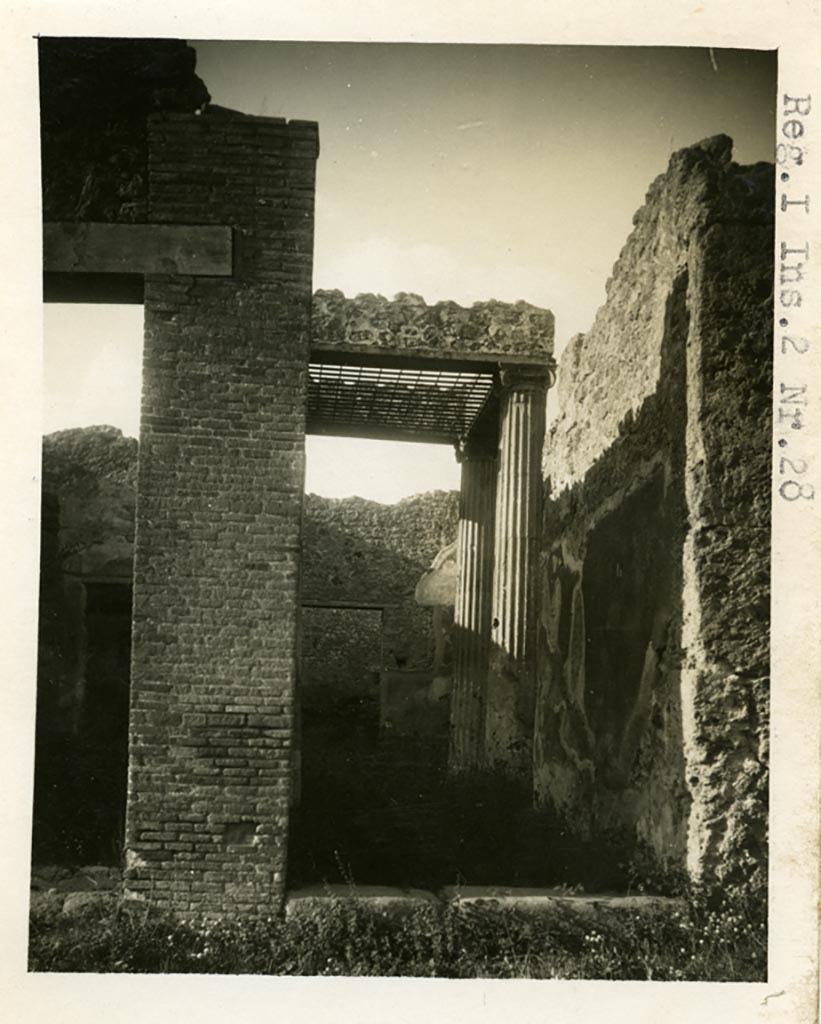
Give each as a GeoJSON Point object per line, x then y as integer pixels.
{"type": "Point", "coordinates": [394, 900]}
{"type": "Point", "coordinates": [76, 888]}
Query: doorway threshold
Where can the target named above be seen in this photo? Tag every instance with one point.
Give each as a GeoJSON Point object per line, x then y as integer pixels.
{"type": "Point", "coordinates": [393, 900]}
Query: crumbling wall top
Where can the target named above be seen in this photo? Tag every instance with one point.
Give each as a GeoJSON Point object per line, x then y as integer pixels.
{"type": "Point", "coordinates": [606, 374]}
{"type": "Point", "coordinates": [95, 96]}
{"type": "Point", "coordinates": [408, 326]}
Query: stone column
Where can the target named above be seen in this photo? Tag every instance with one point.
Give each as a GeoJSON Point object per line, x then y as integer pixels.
{"type": "Point", "coordinates": [471, 627]}
{"type": "Point", "coordinates": [511, 675]}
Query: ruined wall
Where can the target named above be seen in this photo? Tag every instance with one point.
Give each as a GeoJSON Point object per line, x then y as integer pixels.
{"type": "Point", "coordinates": [652, 693]}
{"type": "Point", "coordinates": [362, 552]}
{"type": "Point", "coordinates": [365, 553]}
{"type": "Point", "coordinates": [221, 473]}
{"type": "Point", "coordinates": [95, 95]}
{"type": "Point", "coordinates": [368, 554]}
{"type": "Point", "coordinates": [87, 539]}
{"type": "Point", "coordinates": [726, 564]}
{"type": "Point", "coordinates": [89, 486]}
{"type": "Point", "coordinates": [89, 490]}
{"type": "Point", "coordinates": [92, 474]}
{"type": "Point", "coordinates": [340, 655]}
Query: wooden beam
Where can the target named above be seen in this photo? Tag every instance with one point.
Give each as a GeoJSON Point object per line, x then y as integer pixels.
{"type": "Point", "coordinates": [376, 431]}
{"type": "Point", "coordinates": [356, 354]}
{"type": "Point", "coordinates": [137, 249]}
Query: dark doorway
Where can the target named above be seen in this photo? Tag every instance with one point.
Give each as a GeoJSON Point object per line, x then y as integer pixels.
{"type": "Point", "coordinates": [104, 728]}
{"type": "Point", "coordinates": [341, 652]}
{"type": "Point", "coordinates": [81, 759]}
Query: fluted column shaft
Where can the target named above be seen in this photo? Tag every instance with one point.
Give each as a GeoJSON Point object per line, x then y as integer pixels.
{"type": "Point", "coordinates": [471, 634]}
{"type": "Point", "coordinates": [511, 675]}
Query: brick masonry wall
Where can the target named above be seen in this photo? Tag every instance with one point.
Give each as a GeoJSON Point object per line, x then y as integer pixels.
{"type": "Point", "coordinates": [221, 473]}
{"type": "Point", "coordinates": [653, 661]}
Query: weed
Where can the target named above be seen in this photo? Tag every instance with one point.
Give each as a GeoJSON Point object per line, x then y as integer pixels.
{"type": "Point", "coordinates": [706, 936]}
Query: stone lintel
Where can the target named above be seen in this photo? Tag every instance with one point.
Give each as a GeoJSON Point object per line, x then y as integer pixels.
{"type": "Point", "coordinates": [97, 248]}
{"type": "Point", "coordinates": [406, 325]}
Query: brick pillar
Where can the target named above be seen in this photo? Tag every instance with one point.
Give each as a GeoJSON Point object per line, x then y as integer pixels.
{"type": "Point", "coordinates": [220, 487]}
{"type": "Point", "coordinates": [511, 675]}
{"type": "Point", "coordinates": [471, 629]}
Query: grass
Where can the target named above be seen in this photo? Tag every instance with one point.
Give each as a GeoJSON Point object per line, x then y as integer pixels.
{"type": "Point", "coordinates": [707, 938]}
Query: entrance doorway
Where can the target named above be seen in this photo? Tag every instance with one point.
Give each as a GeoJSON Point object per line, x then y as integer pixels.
{"type": "Point", "coordinates": [104, 729]}
{"type": "Point", "coordinates": [338, 737]}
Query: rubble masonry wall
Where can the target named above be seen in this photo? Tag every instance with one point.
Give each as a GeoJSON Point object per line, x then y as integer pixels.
{"type": "Point", "coordinates": [651, 717]}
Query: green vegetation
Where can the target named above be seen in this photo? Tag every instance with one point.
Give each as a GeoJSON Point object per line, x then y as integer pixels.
{"type": "Point", "coordinates": [718, 938]}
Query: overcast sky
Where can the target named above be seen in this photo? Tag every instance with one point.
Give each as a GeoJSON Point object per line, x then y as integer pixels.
{"type": "Point", "coordinates": [457, 172]}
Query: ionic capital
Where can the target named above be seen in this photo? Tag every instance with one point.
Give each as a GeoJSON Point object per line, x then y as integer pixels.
{"type": "Point", "coordinates": [528, 377]}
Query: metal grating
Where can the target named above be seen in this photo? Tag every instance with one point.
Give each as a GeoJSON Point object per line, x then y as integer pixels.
{"type": "Point", "coordinates": [373, 401]}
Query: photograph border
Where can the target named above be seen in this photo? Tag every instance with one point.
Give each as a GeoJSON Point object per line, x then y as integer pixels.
{"type": "Point", "coordinates": [791, 992]}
